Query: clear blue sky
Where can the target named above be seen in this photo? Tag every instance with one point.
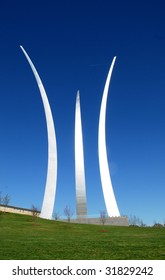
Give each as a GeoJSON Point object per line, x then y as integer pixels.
{"type": "Point", "coordinates": [72, 44]}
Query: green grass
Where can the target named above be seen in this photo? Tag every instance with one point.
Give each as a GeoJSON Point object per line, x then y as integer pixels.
{"type": "Point", "coordinates": [22, 238]}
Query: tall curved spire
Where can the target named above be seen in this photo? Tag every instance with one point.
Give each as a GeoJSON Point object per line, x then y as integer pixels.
{"type": "Point", "coordinates": [50, 188]}
{"type": "Point", "coordinates": [109, 197]}
{"type": "Point", "coordinates": [81, 208]}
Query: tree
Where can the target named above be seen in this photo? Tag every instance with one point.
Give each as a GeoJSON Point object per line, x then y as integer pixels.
{"type": "Point", "coordinates": [1, 201]}
{"type": "Point", "coordinates": [56, 216]}
{"type": "Point", "coordinates": [6, 200]}
{"type": "Point", "coordinates": [68, 212]}
{"type": "Point", "coordinates": [142, 224]}
{"type": "Point", "coordinates": [34, 212]}
{"type": "Point", "coordinates": [135, 221]}
{"type": "Point", "coordinates": [1, 198]}
{"type": "Point", "coordinates": [103, 217]}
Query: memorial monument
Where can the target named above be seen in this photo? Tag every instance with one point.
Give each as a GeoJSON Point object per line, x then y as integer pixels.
{"type": "Point", "coordinates": [50, 187]}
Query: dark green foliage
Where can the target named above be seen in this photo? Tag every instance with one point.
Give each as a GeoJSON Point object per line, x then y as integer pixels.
{"type": "Point", "coordinates": [21, 238]}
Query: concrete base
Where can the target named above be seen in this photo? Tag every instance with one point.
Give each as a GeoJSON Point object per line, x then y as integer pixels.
{"type": "Point", "coordinates": [114, 221]}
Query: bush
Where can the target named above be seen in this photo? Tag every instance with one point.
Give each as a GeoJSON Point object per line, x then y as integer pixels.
{"type": "Point", "coordinates": [158, 225]}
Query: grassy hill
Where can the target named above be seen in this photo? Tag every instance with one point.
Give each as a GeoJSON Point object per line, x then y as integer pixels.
{"type": "Point", "coordinates": [23, 238]}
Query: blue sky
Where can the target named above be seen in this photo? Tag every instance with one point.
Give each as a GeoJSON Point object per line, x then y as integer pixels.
{"type": "Point", "coordinates": [72, 44]}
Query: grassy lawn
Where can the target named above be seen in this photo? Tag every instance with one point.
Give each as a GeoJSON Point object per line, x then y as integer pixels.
{"type": "Point", "coordinates": [22, 238]}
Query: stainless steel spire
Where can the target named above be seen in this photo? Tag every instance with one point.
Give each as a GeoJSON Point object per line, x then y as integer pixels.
{"type": "Point", "coordinates": [81, 208]}
{"type": "Point", "coordinates": [50, 188]}
{"type": "Point", "coordinates": [109, 197]}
